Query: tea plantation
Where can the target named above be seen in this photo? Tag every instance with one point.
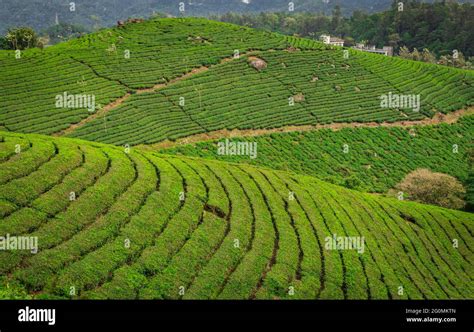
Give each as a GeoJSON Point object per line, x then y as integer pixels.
{"type": "Point", "coordinates": [296, 88]}
{"type": "Point", "coordinates": [113, 218]}
{"type": "Point", "coordinates": [367, 159]}
{"type": "Point", "coordinates": [170, 78]}
{"type": "Point", "coordinates": [119, 223]}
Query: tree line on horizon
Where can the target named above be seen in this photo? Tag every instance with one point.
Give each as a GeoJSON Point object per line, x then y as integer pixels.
{"type": "Point", "coordinates": [429, 32]}
{"type": "Point", "coordinates": [439, 28]}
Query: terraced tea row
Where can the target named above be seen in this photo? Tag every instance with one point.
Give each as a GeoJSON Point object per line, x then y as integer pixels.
{"type": "Point", "coordinates": [117, 223]}
{"type": "Point", "coordinates": [142, 55]}
{"type": "Point", "coordinates": [30, 87]}
{"type": "Point", "coordinates": [441, 88]}
{"type": "Point", "coordinates": [299, 82]}
{"type": "Point", "coordinates": [295, 88]}
{"type": "Point", "coordinates": [111, 62]}
{"type": "Point", "coordinates": [367, 159]}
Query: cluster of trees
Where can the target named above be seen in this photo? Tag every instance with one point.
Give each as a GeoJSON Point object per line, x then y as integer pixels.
{"type": "Point", "coordinates": [456, 59]}
{"type": "Point", "coordinates": [19, 39]}
{"type": "Point", "coordinates": [301, 24]}
{"type": "Point", "coordinates": [440, 27]}
{"type": "Point", "coordinates": [25, 37]}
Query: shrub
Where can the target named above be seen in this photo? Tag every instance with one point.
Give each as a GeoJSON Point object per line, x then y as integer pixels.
{"type": "Point", "coordinates": [353, 182]}
{"type": "Point", "coordinates": [12, 291]}
{"type": "Point", "coordinates": [428, 187]}
{"type": "Point", "coordinates": [21, 38]}
{"type": "Point", "coordinates": [4, 43]}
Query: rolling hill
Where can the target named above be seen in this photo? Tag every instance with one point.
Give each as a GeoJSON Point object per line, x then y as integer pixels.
{"type": "Point", "coordinates": [377, 157]}
{"type": "Point", "coordinates": [144, 225]}
{"type": "Point", "coordinates": [114, 218]}
{"type": "Point", "coordinates": [160, 50]}
{"type": "Point", "coordinates": [190, 76]}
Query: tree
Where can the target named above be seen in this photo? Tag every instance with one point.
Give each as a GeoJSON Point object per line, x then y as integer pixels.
{"type": "Point", "coordinates": [336, 18]}
{"type": "Point", "coordinates": [64, 31]}
{"type": "Point", "coordinates": [428, 187]}
{"type": "Point", "coordinates": [459, 61]}
{"type": "Point", "coordinates": [21, 38]}
{"type": "Point", "coordinates": [43, 41]}
{"type": "Point", "coordinates": [394, 39]}
{"type": "Point", "coordinates": [290, 24]}
{"type": "Point", "coordinates": [427, 56]}
{"type": "Point", "coordinates": [444, 60]}
{"type": "Point", "coordinates": [405, 53]}
{"type": "Point", "coordinates": [416, 55]}
{"type": "Point", "coordinates": [349, 41]}
{"type": "Point", "coordinates": [4, 43]}
{"type": "Point", "coordinates": [96, 20]}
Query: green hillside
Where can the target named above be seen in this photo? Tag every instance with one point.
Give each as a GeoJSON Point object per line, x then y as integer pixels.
{"type": "Point", "coordinates": [159, 50]}
{"type": "Point", "coordinates": [235, 95]}
{"type": "Point", "coordinates": [222, 92]}
{"type": "Point", "coordinates": [115, 218]}
{"type": "Point", "coordinates": [376, 159]}
{"type": "Point", "coordinates": [144, 225]}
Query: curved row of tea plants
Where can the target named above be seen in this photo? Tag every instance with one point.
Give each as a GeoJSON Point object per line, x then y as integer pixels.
{"type": "Point", "coordinates": [367, 159]}
{"type": "Point", "coordinates": [30, 85]}
{"type": "Point", "coordinates": [111, 62]}
{"type": "Point", "coordinates": [296, 88]}
{"type": "Point", "coordinates": [117, 223]}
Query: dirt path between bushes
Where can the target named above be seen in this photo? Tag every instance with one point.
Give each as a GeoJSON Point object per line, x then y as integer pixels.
{"type": "Point", "coordinates": [439, 118]}
{"type": "Point", "coordinates": [94, 116]}
{"type": "Point", "coordinates": [119, 101]}
{"type": "Point", "coordinates": [224, 133]}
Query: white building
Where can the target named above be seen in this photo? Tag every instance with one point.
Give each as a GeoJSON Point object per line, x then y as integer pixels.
{"type": "Point", "coordinates": [328, 40]}
{"type": "Point", "coordinates": [386, 50]}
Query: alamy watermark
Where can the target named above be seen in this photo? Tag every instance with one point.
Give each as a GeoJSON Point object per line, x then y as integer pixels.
{"type": "Point", "coordinates": [37, 315]}
{"type": "Point", "coordinates": [393, 100]}
{"type": "Point", "coordinates": [336, 242]}
{"type": "Point", "coordinates": [231, 148]}
{"type": "Point", "coordinates": [76, 101]}
{"type": "Point", "coordinates": [8, 242]}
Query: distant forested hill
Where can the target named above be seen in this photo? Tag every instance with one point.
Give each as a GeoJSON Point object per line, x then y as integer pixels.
{"type": "Point", "coordinates": [440, 27]}
{"type": "Point", "coordinates": [41, 14]}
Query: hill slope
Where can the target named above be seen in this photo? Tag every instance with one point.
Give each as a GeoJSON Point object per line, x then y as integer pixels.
{"type": "Point", "coordinates": [98, 65]}
{"type": "Point", "coordinates": [143, 225]}
{"type": "Point", "coordinates": [376, 158]}
{"type": "Point", "coordinates": [162, 49]}
{"type": "Point", "coordinates": [183, 78]}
